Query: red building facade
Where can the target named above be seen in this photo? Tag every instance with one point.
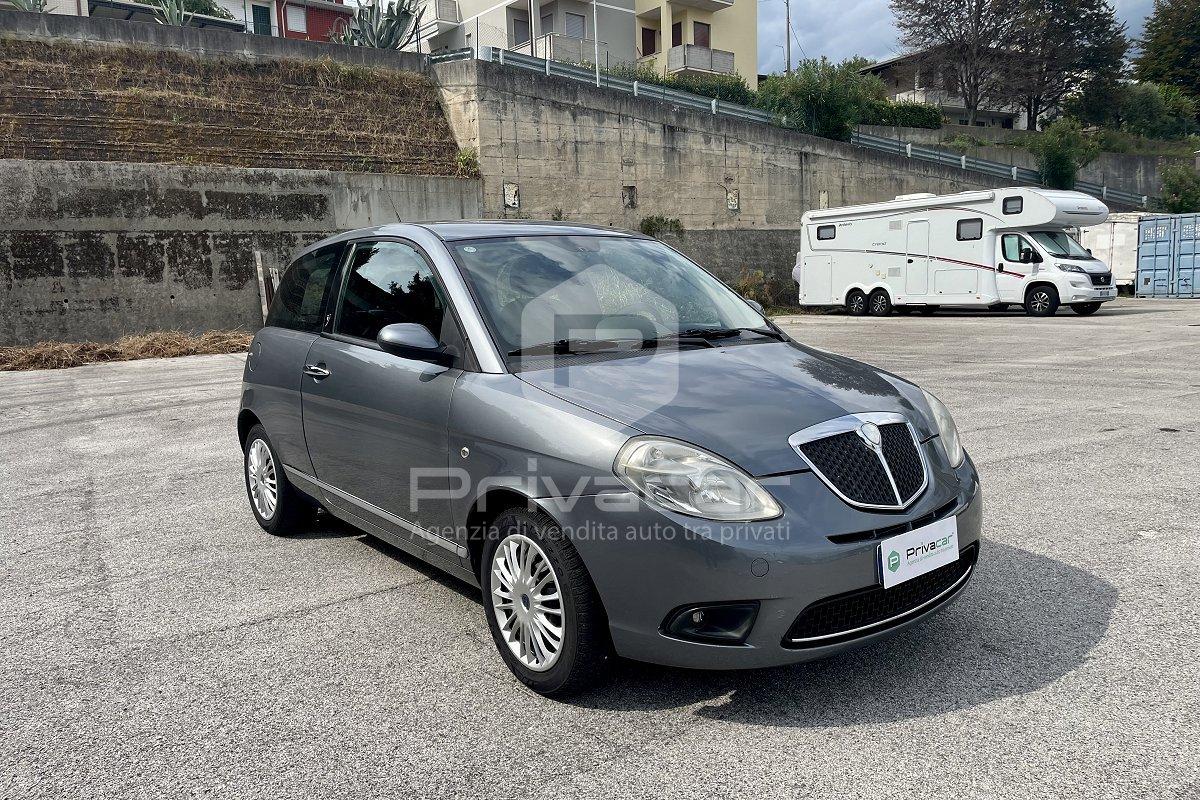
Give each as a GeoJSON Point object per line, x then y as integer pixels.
{"type": "Point", "coordinates": [314, 20]}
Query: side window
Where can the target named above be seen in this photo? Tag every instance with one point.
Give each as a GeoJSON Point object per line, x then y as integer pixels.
{"type": "Point", "coordinates": [298, 300]}
{"type": "Point", "coordinates": [970, 229]}
{"type": "Point", "coordinates": [1011, 245]}
{"type": "Point", "coordinates": [1013, 205]}
{"type": "Point", "coordinates": [826, 232]}
{"type": "Point", "coordinates": [387, 283]}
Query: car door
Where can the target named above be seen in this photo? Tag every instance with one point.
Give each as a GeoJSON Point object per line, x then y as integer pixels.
{"type": "Point", "coordinates": [916, 250]}
{"type": "Point", "coordinates": [376, 423]}
{"type": "Point", "coordinates": [1011, 272]}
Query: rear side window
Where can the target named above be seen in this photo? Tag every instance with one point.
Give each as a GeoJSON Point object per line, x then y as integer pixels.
{"type": "Point", "coordinates": [1013, 205]}
{"type": "Point", "coordinates": [387, 283]}
{"type": "Point", "coordinates": [301, 293]}
{"type": "Point", "coordinates": [826, 232]}
{"type": "Point", "coordinates": [970, 229]}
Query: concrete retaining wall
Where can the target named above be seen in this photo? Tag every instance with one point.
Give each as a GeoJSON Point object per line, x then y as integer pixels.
{"type": "Point", "coordinates": [91, 250]}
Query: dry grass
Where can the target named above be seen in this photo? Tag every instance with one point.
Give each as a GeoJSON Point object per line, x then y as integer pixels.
{"type": "Point", "coordinates": [164, 344]}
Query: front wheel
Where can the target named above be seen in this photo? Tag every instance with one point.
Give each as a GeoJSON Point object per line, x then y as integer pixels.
{"type": "Point", "coordinates": [543, 611]}
{"type": "Point", "coordinates": [1084, 309]}
{"type": "Point", "coordinates": [881, 304]}
{"type": "Point", "coordinates": [1041, 301]}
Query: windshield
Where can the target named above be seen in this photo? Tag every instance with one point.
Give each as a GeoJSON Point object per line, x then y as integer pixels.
{"type": "Point", "coordinates": [535, 290]}
{"type": "Point", "coordinates": [1060, 245]}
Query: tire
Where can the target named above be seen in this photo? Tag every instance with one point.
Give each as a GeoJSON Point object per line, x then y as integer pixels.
{"type": "Point", "coordinates": [999, 307]}
{"type": "Point", "coordinates": [291, 511]}
{"type": "Point", "coordinates": [856, 303]}
{"type": "Point", "coordinates": [584, 652]}
{"type": "Point", "coordinates": [1084, 309]}
{"type": "Point", "coordinates": [1041, 301]}
{"type": "Point", "coordinates": [927, 310]}
{"type": "Point", "coordinates": [880, 304]}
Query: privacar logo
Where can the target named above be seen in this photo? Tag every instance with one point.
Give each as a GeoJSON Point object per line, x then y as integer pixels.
{"type": "Point", "coordinates": [893, 561]}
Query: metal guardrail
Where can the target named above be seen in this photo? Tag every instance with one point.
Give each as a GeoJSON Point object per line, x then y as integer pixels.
{"type": "Point", "coordinates": [575, 72]}
{"type": "Point", "coordinates": [996, 168]}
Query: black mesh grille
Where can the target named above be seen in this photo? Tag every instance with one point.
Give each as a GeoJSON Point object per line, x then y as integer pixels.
{"type": "Point", "coordinates": [1101, 279]}
{"type": "Point", "coordinates": [905, 462]}
{"type": "Point", "coordinates": [851, 465]}
{"type": "Point", "coordinates": [863, 607]}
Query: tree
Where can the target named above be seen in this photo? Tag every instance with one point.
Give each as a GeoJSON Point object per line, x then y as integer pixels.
{"type": "Point", "coordinates": [823, 98]}
{"type": "Point", "coordinates": [1170, 43]}
{"type": "Point", "coordinates": [1061, 151]}
{"type": "Point", "coordinates": [1165, 112]}
{"type": "Point", "coordinates": [961, 39]}
{"type": "Point", "coordinates": [1181, 190]}
{"type": "Point", "coordinates": [1059, 46]}
{"type": "Point", "coordinates": [387, 29]}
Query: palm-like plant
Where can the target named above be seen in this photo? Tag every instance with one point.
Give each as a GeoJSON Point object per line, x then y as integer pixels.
{"type": "Point", "coordinates": [387, 29]}
{"type": "Point", "coordinates": [36, 6]}
{"type": "Point", "coordinates": [171, 12]}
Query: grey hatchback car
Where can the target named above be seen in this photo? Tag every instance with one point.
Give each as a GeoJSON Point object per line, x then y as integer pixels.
{"type": "Point", "coordinates": [624, 455]}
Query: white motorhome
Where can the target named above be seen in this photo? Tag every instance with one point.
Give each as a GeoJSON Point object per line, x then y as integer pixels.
{"type": "Point", "coordinates": [988, 248]}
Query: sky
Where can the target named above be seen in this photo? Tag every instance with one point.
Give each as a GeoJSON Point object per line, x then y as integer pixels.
{"type": "Point", "coordinates": [858, 28]}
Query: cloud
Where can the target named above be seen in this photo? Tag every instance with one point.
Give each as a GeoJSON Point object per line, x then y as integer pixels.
{"type": "Point", "coordinates": [858, 28]}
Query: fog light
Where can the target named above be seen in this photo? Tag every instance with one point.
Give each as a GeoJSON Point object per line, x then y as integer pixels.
{"type": "Point", "coordinates": [721, 623]}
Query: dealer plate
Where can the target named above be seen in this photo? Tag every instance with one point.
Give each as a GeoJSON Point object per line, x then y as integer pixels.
{"type": "Point", "coordinates": [908, 555]}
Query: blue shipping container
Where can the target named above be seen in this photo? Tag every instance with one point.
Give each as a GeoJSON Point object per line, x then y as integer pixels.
{"type": "Point", "coordinates": [1169, 256]}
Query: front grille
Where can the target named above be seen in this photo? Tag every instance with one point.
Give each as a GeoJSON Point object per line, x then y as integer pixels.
{"type": "Point", "coordinates": [860, 474]}
{"type": "Point", "coordinates": [1101, 279]}
{"type": "Point", "coordinates": [874, 608]}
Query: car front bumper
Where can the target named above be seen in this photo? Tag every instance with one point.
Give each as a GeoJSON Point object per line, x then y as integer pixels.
{"type": "Point", "coordinates": [1090, 294]}
{"type": "Point", "coordinates": [646, 563]}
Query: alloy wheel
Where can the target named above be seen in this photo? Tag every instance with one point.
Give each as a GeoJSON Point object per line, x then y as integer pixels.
{"type": "Point", "coordinates": [857, 303]}
{"type": "Point", "coordinates": [878, 304]}
{"type": "Point", "coordinates": [1040, 301]}
{"type": "Point", "coordinates": [527, 602]}
{"type": "Point", "coordinates": [260, 471]}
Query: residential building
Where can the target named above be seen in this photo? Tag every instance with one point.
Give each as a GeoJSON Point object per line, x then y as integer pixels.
{"type": "Point", "coordinates": [564, 30]}
{"type": "Point", "coordinates": [916, 77]}
{"type": "Point", "coordinates": [701, 37]}
{"type": "Point", "coordinates": [315, 20]}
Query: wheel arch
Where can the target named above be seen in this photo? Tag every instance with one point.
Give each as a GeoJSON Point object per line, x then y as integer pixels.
{"type": "Point", "coordinates": [486, 507]}
{"type": "Point", "coordinates": [246, 420]}
{"type": "Point", "coordinates": [1042, 282]}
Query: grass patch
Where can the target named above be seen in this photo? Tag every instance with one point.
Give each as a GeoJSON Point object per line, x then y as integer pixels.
{"type": "Point", "coordinates": [163, 344]}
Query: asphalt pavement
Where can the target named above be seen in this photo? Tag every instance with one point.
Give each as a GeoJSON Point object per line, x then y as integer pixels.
{"type": "Point", "coordinates": [155, 642]}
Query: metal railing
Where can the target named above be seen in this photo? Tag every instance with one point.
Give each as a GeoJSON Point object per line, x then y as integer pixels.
{"type": "Point", "coordinates": [1000, 170]}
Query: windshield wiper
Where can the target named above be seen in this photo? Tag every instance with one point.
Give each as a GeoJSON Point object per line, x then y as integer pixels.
{"type": "Point", "coordinates": [562, 347]}
{"type": "Point", "coordinates": [722, 333]}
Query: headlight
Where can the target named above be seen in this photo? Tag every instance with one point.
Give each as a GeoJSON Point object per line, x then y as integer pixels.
{"type": "Point", "coordinates": [689, 480]}
{"type": "Point", "coordinates": [1071, 268]}
{"type": "Point", "coordinates": [947, 430]}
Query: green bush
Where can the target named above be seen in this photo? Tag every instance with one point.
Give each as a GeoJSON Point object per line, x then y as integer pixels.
{"type": "Point", "coordinates": [904, 114]}
{"type": "Point", "coordinates": [1181, 190]}
{"type": "Point", "coordinates": [1062, 149]}
{"type": "Point", "coordinates": [658, 226]}
{"type": "Point", "coordinates": [823, 98]}
{"type": "Point", "coordinates": [730, 88]}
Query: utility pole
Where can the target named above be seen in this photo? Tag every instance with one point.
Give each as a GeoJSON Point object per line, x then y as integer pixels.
{"type": "Point", "coordinates": [787, 35]}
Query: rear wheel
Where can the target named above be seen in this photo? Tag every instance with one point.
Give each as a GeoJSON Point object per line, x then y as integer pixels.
{"type": "Point", "coordinates": [881, 304]}
{"type": "Point", "coordinates": [543, 611]}
{"type": "Point", "coordinates": [1083, 309]}
{"type": "Point", "coordinates": [279, 508]}
{"type": "Point", "coordinates": [856, 303]}
{"type": "Point", "coordinates": [1041, 301]}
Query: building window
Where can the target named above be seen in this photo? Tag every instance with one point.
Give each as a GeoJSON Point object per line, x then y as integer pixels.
{"type": "Point", "coordinates": [520, 31]}
{"type": "Point", "coordinates": [297, 19]}
{"type": "Point", "coordinates": [547, 23]}
{"type": "Point", "coordinates": [648, 36]}
{"type": "Point", "coordinates": [1013, 205]}
{"type": "Point", "coordinates": [826, 232]}
{"type": "Point", "coordinates": [970, 229]}
{"type": "Point", "coordinates": [700, 34]}
{"type": "Point", "coordinates": [576, 26]}
{"type": "Point", "coordinates": [261, 20]}
{"type": "Point", "coordinates": [677, 34]}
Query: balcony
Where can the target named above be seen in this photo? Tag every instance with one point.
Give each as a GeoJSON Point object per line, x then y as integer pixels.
{"type": "Point", "coordinates": [560, 47]}
{"type": "Point", "coordinates": [694, 58]}
{"type": "Point", "coordinates": [443, 14]}
{"type": "Point", "coordinates": [704, 5]}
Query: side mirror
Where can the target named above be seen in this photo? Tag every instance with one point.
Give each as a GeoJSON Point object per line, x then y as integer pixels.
{"type": "Point", "coordinates": [1089, 251]}
{"type": "Point", "coordinates": [757, 306]}
{"type": "Point", "coordinates": [412, 340]}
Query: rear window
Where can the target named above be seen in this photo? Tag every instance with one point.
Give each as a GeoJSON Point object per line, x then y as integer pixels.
{"type": "Point", "coordinates": [1013, 205]}
{"type": "Point", "coordinates": [826, 232]}
{"type": "Point", "coordinates": [301, 294]}
{"type": "Point", "coordinates": [970, 229]}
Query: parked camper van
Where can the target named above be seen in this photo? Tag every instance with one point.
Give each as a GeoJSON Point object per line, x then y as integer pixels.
{"type": "Point", "coordinates": [990, 248]}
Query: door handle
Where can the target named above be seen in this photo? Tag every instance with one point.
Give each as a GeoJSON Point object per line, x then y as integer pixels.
{"type": "Point", "coordinates": [316, 370]}
{"type": "Point", "coordinates": [999, 268]}
{"type": "Point", "coordinates": [910, 261]}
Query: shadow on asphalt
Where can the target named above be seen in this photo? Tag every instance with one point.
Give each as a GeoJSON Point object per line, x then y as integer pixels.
{"type": "Point", "coordinates": [1023, 623]}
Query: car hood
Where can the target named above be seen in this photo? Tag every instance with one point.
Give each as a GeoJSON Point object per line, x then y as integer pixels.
{"type": "Point", "coordinates": [741, 401]}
